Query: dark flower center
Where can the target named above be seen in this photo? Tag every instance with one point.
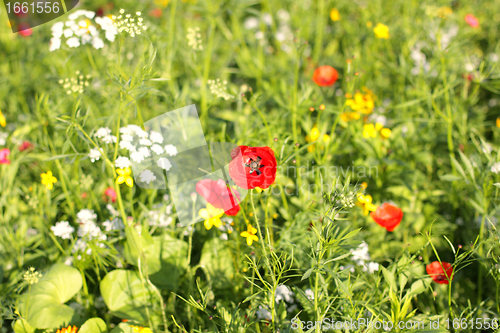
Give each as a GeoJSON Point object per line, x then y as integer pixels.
{"type": "Point", "coordinates": [254, 165]}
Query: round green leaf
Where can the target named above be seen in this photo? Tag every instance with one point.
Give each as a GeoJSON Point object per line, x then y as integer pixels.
{"type": "Point", "coordinates": [61, 282]}
{"type": "Point", "coordinates": [122, 328]}
{"type": "Point", "coordinates": [22, 326]}
{"type": "Point", "coordinates": [94, 325]}
{"type": "Point", "coordinates": [125, 295]}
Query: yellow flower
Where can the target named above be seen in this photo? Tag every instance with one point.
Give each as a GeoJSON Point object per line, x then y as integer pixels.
{"type": "Point", "coordinates": [385, 133]}
{"type": "Point", "coordinates": [3, 123]}
{"type": "Point", "coordinates": [124, 176]}
{"type": "Point", "coordinates": [163, 3]}
{"type": "Point", "coordinates": [250, 234]}
{"type": "Point", "coordinates": [315, 133]}
{"type": "Point", "coordinates": [365, 202]}
{"type": "Point", "coordinates": [443, 12]}
{"type": "Point", "coordinates": [335, 15]}
{"type": "Point", "coordinates": [362, 103]}
{"type": "Point", "coordinates": [69, 329]}
{"type": "Point", "coordinates": [381, 31]}
{"type": "Point", "coordinates": [498, 122]}
{"type": "Point", "coordinates": [48, 180]}
{"type": "Point", "coordinates": [348, 116]}
{"type": "Point", "coordinates": [139, 329]}
{"type": "Point", "coordinates": [212, 216]}
{"type": "Point", "coordinates": [364, 185]}
{"type": "Point", "coordinates": [369, 24]}
{"type": "Point", "coordinates": [369, 131]}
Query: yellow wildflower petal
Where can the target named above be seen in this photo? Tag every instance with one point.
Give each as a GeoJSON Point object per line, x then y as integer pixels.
{"type": "Point", "coordinates": [216, 221]}
{"type": "Point", "coordinates": [381, 31]}
{"type": "Point", "coordinates": [3, 122]}
{"type": "Point", "coordinates": [129, 181]}
{"type": "Point", "coordinates": [378, 126]}
{"type": "Point", "coordinates": [385, 132]}
{"type": "Point", "coordinates": [498, 122]}
{"type": "Point", "coordinates": [364, 185]}
{"type": "Point", "coordinates": [311, 148]}
{"type": "Point", "coordinates": [120, 179]}
{"type": "Point", "coordinates": [204, 213]}
{"type": "Point", "coordinates": [249, 241]}
{"type": "Point", "coordinates": [326, 138]}
{"type": "Point", "coordinates": [245, 234]}
{"type": "Point", "coordinates": [335, 15]}
{"type": "Point", "coordinates": [208, 224]}
{"type": "Point", "coordinates": [315, 134]}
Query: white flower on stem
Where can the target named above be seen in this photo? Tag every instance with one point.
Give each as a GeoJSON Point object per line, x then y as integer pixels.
{"type": "Point", "coordinates": [3, 138]}
{"type": "Point", "coordinates": [371, 267]}
{"type": "Point", "coordinates": [145, 151]}
{"type": "Point", "coordinates": [224, 236]}
{"type": "Point", "coordinates": [122, 162]}
{"type": "Point", "coordinates": [55, 44]}
{"type": "Point", "coordinates": [115, 224]}
{"type": "Point", "coordinates": [159, 219]}
{"type": "Point", "coordinates": [73, 42]}
{"type": "Point", "coordinates": [251, 23]}
{"type": "Point", "coordinates": [86, 215]}
{"type": "Point", "coordinates": [360, 255]}
{"type": "Point", "coordinates": [283, 293]}
{"type": "Point", "coordinates": [171, 150]}
{"type": "Point", "coordinates": [495, 168]}
{"type": "Point", "coordinates": [81, 246]}
{"type": "Point", "coordinates": [91, 230]}
{"type": "Point", "coordinates": [137, 156]}
{"type": "Point", "coordinates": [112, 211]}
{"type": "Point", "coordinates": [309, 294]}
{"type": "Point", "coordinates": [157, 149]}
{"type": "Point", "coordinates": [263, 313]}
{"type": "Point", "coordinates": [127, 137]}
{"type": "Point", "coordinates": [102, 132]}
{"type": "Point", "coordinates": [62, 229]}
{"type": "Point", "coordinates": [109, 139]}
{"type": "Point", "coordinates": [141, 133]}
{"type": "Point", "coordinates": [126, 145]}
{"type": "Point", "coordinates": [147, 176]}
{"type": "Point", "coordinates": [487, 148]}
{"type": "Point", "coordinates": [156, 137]}
{"type": "Point", "coordinates": [95, 154]}
{"type": "Point", "coordinates": [164, 163]}
{"type": "Point", "coordinates": [145, 142]}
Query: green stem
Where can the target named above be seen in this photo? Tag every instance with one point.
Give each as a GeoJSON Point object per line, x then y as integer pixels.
{"type": "Point", "coordinates": [206, 72]}
{"type": "Point", "coordinates": [319, 31]}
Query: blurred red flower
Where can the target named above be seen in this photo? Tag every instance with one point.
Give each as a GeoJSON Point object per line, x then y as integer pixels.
{"type": "Point", "coordinates": [387, 216]}
{"type": "Point", "coordinates": [219, 195]}
{"type": "Point", "coordinates": [111, 193]}
{"type": "Point", "coordinates": [253, 167]}
{"type": "Point", "coordinates": [472, 20]}
{"type": "Point", "coordinates": [25, 30]}
{"type": "Point", "coordinates": [325, 76]}
{"type": "Point", "coordinates": [435, 270]}
{"type": "Point", "coordinates": [4, 154]}
{"type": "Point", "coordinates": [157, 12]}
{"type": "Point", "coordinates": [25, 145]}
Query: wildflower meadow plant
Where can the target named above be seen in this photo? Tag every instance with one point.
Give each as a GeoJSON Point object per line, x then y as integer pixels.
{"type": "Point", "coordinates": [250, 166]}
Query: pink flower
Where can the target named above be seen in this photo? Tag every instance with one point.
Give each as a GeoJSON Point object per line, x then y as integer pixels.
{"type": "Point", "coordinates": [111, 193]}
{"type": "Point", "coordinates": [25, 145]}
{"type": "Point", "coordinates": [4, 153]}
{"type": "Point", "coordinates": [25, 30]}
{"type": "Point", "coordinates": [472, 20]}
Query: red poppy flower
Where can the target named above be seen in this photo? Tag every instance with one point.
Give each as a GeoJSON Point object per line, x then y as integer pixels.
{"type": "Point", "coordinates": [111, 193]}
{"type": "Point", "coordinates": [387, 216]}
{"type": "Point", "coordinates": [4, 154]}
{"type": "Point", "coordinates": [437, 273]}
{"type": "Point", "coordinates": [253, 167]}
{"type": "Point", "coordinates": [219, 195]}
{"type": "Point", "coordinates": [25, 145]}
{"type": "Point", "coordinates": [472, 20]}
{"type": "Point", "coordinates": [325, 76]}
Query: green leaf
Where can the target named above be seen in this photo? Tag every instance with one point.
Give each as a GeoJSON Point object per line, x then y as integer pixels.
{"type": "Point", "coordinates": [468, 166]}
{"type": "Point", "coordinates": [125, 295]}
{"type": "Point", "coordinates": [416, 288]}
{"type": "Point", "coordinates": [449, 177]}
{"type": "Point", "coordinates": [122, 328]}
{"type": "Point", "coordinates": [22, 326]}
{"type": "Point", "coordinates": [216, 257]}
{"type": "Point", "coordinates": [43, 306]}
{"type": "Point", "coordinates": [93, 325]}
{"type": "Point", "coordinates": [165, 257]}
{"type": "Point", "coordinates": [389, 278]}
{"type": "Point", "coordinates": [307, 274]}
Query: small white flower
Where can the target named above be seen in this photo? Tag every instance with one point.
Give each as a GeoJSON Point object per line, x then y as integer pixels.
{"type": "Point", "coordinates": [259, 35]}
{"type": "Point", "coordinates": [145, 151]}
{"type": "Point", "coordinates": [495, 168]}
{"type": "Point", "coordinates": [115, 224]}
{"type": "Point", "coordinates": [122, 162]}
{"type": "Point", "coordinates": [157, 149]}
{"type": "Point", "coordinates": [147, 176]}
{"type": "Point", "coordinates": [112, 211]}
{"type": "Point", "coordinates": [469, 67]}
{"type": "Point", "coordinates": [223, 236]}
{"type": "Point", "coordinates": [283, 293]}
{"type": "Point", "coordinates": [94, 154]}
{"type": "Point", "coordinates": [62, 229]}
{"type": "Point", "coordinates": [360, 255]}
{"type": "Point", "coordinates": [263, 313]}
{"type": "Point", "coordinates": [137, 156]}
{"type": "Point", "coordinates": [91, 230]}
{"type": "Point", "coordinates": [127, 137]}
{"type": "Point", "coordinates": [126, 145]}
{"type": "Point", "coordinates": [159, 219]}
{"type": "Point", "coordinates": [126, 130]}
{"type": "Point", "coordinates": [487, 148]}
{"type": "Point", "coordinates": [3, 138]}
{"type": "Point", "coordinates": [86, 215]}
{"type": "Point", "coordinates": [371, 267]}
{"type": "Point", "coordinates": [171, 150]}
{"type": "Point", "coordinates": [142, 134]}
{"type": "Point", "coordinates": [309, 294]}
{"type": "Point", "coordinates": [97, 43]}
{"type": "Point", "coordinates": [283, 15]}
{"type": "Point", "coordinates": [109, 139]}
{"type": "Point", "coordinates": [68, 261]}
{"type": "Point", "coordinates": [267, 19]}
{"type": "Point", "coordinates": [156, 137]}
{"type": "Point", "coordinates": [251, 23]}
{"type": "Point", "coordinates": [55, 44]}
{"type": "Point", "coordinates": [164, 163]}
{"type": "Point", "coordinates": [102, 132]}
{"type": "Point", "coordinates": [145, 142]}
{"type": "Point", "coordinates": [73, 42]}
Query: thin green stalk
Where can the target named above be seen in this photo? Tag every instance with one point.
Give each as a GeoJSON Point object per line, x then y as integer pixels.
{"type": "Point", "coordinates": [206, 71]}
{"type": "Point", "coordinates": [318, 42]}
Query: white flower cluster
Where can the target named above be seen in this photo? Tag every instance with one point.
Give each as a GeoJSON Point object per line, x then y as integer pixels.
{"type": "Point", "coordinates": [3, 138]}
{"type": "Point", "coordinates": [104, 133]}
{"type": "Point", "coordinates": [284, 33]}
{"type": "Point", "coordinates": [446, 36]}
{"type": "Point", "coordinates": [194, 39]}
{"type": "Point", "coordinates": [131, 25]}
{"type": "Point", "coordinates": [495, 168]}
{"type": "Point", "coordinates": [361, 256]}
{"type": "Point", "coordinates": [82, 28]}
{"type": "Point", "coordinates": [219, 89]}
{"type": "Point", "coordinates": [62, 229]}
{"type": "Point", "coordinates": [75, 84]}
{"type": "Point", "coordinates": [161, 218]}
